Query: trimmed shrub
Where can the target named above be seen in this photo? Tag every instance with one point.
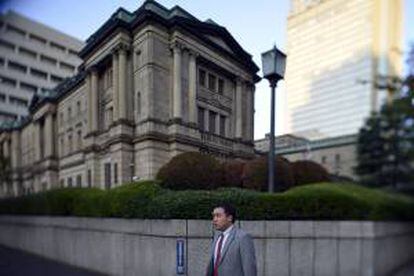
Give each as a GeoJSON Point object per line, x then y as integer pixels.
{"type": "Point", "coordinates": [91, 203]}
{"type": "Point", "coordinates": [322, 201]}
{"type": "Point", "coordinates": [305, 172]}
{"type": "Point", "coordinates": [131, 200]}
{"type": "Point", "coordinates": [191, 170]}
{"type": "Point", "coordinates": [256, 174]}
{"type": "Point", "coordinates": [233, 174]}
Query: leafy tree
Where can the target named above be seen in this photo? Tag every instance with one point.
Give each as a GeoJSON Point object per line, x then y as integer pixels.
{"type": "Point", "coordinates": [385, 146]}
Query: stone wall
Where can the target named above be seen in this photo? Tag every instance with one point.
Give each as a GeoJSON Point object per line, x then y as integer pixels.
{"type": "Point", "coordinates": [148, 247]}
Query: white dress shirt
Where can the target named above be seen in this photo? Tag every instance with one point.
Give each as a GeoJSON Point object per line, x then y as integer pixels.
{"type": "Point", "coordinates": [225, 236]}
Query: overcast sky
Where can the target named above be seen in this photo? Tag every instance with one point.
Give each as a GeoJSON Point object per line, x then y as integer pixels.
{"type": "Point", "coordinates": [256, 25]}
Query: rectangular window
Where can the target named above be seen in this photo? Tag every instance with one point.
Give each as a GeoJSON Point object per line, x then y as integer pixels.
{"type": "Point", "coordinates": [221, 86]}
{"type": "Point", "coordinates": [89, 178]}
{"type": "Point", "coordinates": [18, 101]}
{"type": "Point", "coordinates": [212, 82]}
{"type": "Point", "coordinates": [1, 62]}
{"type": "Point", "coordinates": [61, 149]}
{"type": "Point", "coordinates": [337, 158]}
{"type": "Point", "coordinates": [202, 77]}
{"type": "Point", "coordinates": [70, 182]}
{"type": "Point", "coordinates": [28, 87]}
{"type": "Point", "coordinates": [56, 79]}
{"type": "Point", "coordinates": [222, 125]}
{"type": "Point", "coordinates": [70, 145]}
{"type": "Point", "coordinates": [79, 181]}
{"type": "Point", "coordinates": [212, 122]}
{"type": "Point", "coordinates": [79, 140]}
{"type": "Point", "coordinates": [78, 106]}
{"type": "Point", "coordinates": [201, 119]}
{"type": "Point", "coordinates": [17, 67]}
{"type": "Point", "coordinates": [67, 67]}
{"type": "Point", "coordinates": [57, 46]}
{"type": "Point", "coordinates": [7, 81]}
{"type": "Point", "coordinates": [37, 39]}
{"type": "Point", "coordinates": [38, 74]}
{"type": "Point", "coordinates": [15, 30]}
{"type": "Point", "coordinates": [62, 183]}
{"type": "Point", "coordinates": [27, 53]}
{"type": "Point", "coordinates": [323, 159]}
{"type": "Point", "coordinates": [2, 97]}
{"type": "Point", "coordinates": [73, 52]}
{"type": "Point", "coordinates": [116, 173]}
{"type": "Point", "coordinates": [48, 60]}
{"type": "Point", "coordinates": [6, 45]}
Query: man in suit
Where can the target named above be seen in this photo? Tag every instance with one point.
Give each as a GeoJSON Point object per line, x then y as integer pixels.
{"type": "Point", "coordinates": [232, 252]}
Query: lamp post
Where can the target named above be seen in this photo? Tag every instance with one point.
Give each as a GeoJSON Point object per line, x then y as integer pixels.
{"type": "Point", "coordinates": [273, 66]}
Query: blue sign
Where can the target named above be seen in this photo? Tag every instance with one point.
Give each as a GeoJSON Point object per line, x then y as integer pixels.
{"type": "Point", "coordinates": [180, 256]}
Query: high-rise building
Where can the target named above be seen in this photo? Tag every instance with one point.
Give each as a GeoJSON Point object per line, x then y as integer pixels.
{"type": "Point", "coordinates": [340, 53]}
{"type": "Point", "coordinates": [33, 59]}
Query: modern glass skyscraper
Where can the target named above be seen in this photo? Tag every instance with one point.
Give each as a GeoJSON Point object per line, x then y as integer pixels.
{"type": "Point", "coordinates": [338, 53]}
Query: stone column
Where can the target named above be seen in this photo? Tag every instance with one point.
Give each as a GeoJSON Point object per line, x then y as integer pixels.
{"type": "Point", "coordinates": [177, 97]}
{"type": "Point", "coordinates": [15, 149]}
{"type": "Point", "coordinates": [6, 151]}
{"type": "Point", "coordinates": [37, 146]}
{"type": "Point", "coordinates": [89, 98]}
{"type": "Point", "coordinates": [192, 89]}
{"type": "Point", "coordinates": [239, 100]}
{"type": "Point", "coordinates": [249, 110]}
{"type": "Point", "coordinates": [94, 91]}
{"type": "Point", "coordinates": [49, 135]}
{"type": "Point", "coordinates": [123, 112]}
{"type": "Point", "coordinates": [115, 81]}
{"type": "Point", "coordinates": [217, 122]}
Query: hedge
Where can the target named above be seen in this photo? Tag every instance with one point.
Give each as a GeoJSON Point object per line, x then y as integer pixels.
{"type": "Point", "coordinates": [322, 201]}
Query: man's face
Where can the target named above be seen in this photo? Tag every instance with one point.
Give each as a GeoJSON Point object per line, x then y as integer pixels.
{"type": "Point", "coordinates": [220, 220]}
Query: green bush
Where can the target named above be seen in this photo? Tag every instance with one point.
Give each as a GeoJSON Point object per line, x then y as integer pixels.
{"type": "Point", "coordinates": [91, 203]}
{"type": "Point", "coordinates": [256, 174]}
{"type": "Point", "coordinates": [191, 170]}
{"type": "Point", "coordinates": [322, 201]}
{"type": "Point", "coordinates": [305, 172]}
{"type": "Point", "coordinates": [131, 200]}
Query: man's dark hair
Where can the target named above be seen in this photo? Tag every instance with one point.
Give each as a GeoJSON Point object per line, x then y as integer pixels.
{"type": "Point", "coordinates": [229, 210]}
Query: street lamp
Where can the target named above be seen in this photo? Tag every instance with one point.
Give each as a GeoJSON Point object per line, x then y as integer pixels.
{"type": "Point", "coordinates": [274, 64]}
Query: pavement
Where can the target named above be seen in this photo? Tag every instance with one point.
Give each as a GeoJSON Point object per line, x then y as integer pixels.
{"type": "Point", "coordinates": [18, 263]}
{"type": "Point", "coordinates": [407, 270]}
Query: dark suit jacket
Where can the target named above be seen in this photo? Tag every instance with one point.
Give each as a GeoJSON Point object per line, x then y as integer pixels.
{"type": "Point", "coordinates": [237, 257]}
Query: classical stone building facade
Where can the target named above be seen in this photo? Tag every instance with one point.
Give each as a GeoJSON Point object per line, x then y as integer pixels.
{"type": "Point", "coordinates": [338, 155]}
{"type": "Point", "coordinates": [153, 83]}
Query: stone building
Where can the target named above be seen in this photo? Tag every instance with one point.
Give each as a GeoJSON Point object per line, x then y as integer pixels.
{"type": "Point", "coordinates": [338, 155]}
{"type": "Point", "coordinates": [153, 83]}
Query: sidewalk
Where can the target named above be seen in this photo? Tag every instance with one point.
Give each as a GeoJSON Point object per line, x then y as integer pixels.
{"type": "Point", "coordinates": [18, 263]}
{"type": "Point", "coordinates": [406, 271]}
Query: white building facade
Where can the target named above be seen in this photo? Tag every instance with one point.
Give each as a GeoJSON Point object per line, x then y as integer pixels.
{"type": "Point", "coordinates": [33, 59]}
{"type": "Point", "coordinates": [338, 51]}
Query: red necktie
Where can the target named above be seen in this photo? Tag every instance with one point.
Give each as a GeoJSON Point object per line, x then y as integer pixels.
{"type": "Point", "coordinates": [218, 256]}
